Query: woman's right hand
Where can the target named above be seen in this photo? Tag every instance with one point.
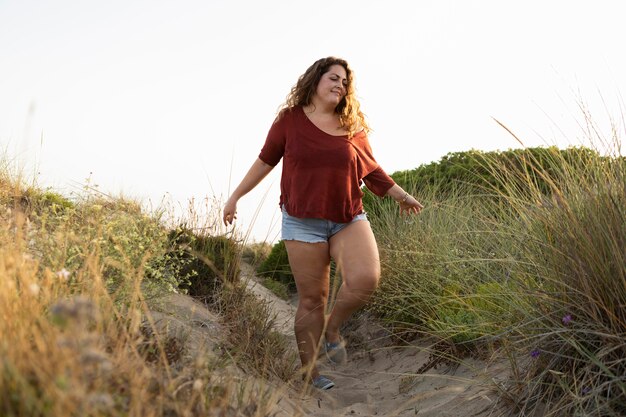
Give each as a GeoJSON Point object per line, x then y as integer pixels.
{"type": "Point", "coordinates": [256, 173]}
{"type": "Point", "coordinates": [230, 211]}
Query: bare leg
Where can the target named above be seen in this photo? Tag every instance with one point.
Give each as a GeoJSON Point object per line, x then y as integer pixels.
{"type": "Point", "coordinates": [356, 254]}
{"type": "Point", "coordinates": [310, 264]}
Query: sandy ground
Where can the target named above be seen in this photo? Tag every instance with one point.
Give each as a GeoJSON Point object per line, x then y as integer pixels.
{"type": "Point", "coordinates": [382, 379]}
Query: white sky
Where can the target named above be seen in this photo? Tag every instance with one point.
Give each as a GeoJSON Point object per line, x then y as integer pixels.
{"type": "Point", "coordinates": [175, 98]}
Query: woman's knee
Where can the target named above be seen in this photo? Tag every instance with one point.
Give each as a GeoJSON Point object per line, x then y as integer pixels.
{"type": "Point", "coordinates": [366, 282]}
{"type": "Point", "coordinates": [312, 302]}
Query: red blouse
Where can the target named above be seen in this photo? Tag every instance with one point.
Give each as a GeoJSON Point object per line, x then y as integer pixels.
{"type": "Point", "coordinates": [322, 174]}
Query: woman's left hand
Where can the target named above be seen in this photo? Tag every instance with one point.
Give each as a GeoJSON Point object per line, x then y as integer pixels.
{"type": "Point", "coordinates": [410, 205]}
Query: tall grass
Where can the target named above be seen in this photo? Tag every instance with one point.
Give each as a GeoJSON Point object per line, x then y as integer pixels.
{"type": "Point", "coordinates": [572, 249]}
{"type": "Point", "coordinates": [77, 336]}
{"type": "Point", "coordinates": [434, 263]}
{"type": "Point", "coordinates": [533, 268]}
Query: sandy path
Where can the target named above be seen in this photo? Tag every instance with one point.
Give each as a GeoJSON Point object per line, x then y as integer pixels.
{"type": "Point", "coordinates": [382, 380]}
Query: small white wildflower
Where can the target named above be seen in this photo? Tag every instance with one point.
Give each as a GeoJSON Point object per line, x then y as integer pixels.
{"type": "Point", "coordinates": [63, 274]}
{"type": "Point", "coordinates": [33, 288]}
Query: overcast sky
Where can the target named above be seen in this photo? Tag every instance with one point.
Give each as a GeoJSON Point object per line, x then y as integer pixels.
{"type": "Point", "coordinates": [174, 98]}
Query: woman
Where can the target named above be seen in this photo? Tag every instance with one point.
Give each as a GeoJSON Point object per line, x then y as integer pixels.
{"type": "Point", "coordinates": [321, 135]}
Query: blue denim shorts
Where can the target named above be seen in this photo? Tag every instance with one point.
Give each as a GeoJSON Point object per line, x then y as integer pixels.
{"type": "Point", "coordinates": [312, 230]}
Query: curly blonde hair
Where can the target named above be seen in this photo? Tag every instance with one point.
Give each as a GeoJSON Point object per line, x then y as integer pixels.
{"type": "Point", "coordinates": [348, 109]}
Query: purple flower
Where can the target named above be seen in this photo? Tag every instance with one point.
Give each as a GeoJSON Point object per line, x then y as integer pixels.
{"type": "Point", "coordinates": [585, 390]}
{"type": "Point", "coordinates": [566, 319]}
{"type": "Point", "coordinates": [535, 353]}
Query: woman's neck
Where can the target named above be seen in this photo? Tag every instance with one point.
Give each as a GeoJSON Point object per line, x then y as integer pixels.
{"type": "Point", "coordinates": [320, 108]}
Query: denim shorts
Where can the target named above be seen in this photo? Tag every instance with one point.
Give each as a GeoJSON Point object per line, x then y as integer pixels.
{"type": "Point", "coordinates": [312, 230]}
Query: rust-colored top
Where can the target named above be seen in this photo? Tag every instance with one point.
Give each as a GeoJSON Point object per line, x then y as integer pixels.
{"type": "Point", "coordinates": [322, 174]}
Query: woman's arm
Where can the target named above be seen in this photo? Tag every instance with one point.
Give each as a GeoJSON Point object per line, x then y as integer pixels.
{"type": "Point", "coordinates": [408, 204]}
{"type": "Point", "coordinates": [256, 173]}
{"type": "Point", "coordinates": [383, 185]}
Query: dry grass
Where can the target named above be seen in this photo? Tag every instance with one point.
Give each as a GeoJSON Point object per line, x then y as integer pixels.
{"type": "Point", "coordinates": [77, 334]}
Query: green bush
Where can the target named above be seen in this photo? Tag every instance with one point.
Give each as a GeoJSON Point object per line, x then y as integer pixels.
{"type": "Point", "coordinates": [278, 288]}
{"type": "Point", "coordinates": [256, 253]}
{"type": "Point", "coordinates": [276, 267]}
{"type": "Point", "coordinates": [476, 172]}
{"type": "Point", "coordinates": [123, 239]}
{"type": "Point", "coordinates": [483, 312]}
{"type": "Point", "coordinates": [202, 263]}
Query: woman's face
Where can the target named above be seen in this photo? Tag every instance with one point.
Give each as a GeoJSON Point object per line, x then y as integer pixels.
{"type": "Point", "coordinates": [333, 85]}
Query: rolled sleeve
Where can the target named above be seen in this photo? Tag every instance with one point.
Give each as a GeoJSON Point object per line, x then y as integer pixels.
{"type": "Point", "coordinates": [274, 147]}
{"type": "Point", "coordinates": [379, 182]}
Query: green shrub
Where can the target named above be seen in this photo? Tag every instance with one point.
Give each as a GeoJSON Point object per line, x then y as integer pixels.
{"type": "Point", "coordinates": [278, 288]}
{"type": "Point", "coordinates": [276, 267]}
{"type": "Point", "coordinates": [476, 172]}
{"type": "Point", "coordinates": [202, 263]}
{"type": "Point", "coordinates": [484, 312]}
{"type": "Point", "coordinates": [256, 253]}
{"type": "Point", "coordinates": [123, 239]}
{"type": "Point", "coordinates": [39, 201]}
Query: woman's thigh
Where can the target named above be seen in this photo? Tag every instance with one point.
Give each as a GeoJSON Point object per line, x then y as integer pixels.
{"type": "Point", "coordinates": [355, 251]}
{"type": "Point", "coordinates": [310, 265]}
